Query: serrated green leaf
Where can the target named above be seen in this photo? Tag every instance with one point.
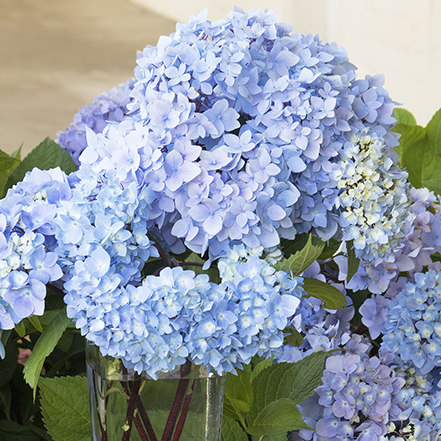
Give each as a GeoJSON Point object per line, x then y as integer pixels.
{"type": "Point", "coordinates": [232, 431]}
{"type": "Point", "coordinates": [7, 166]}
{"type": "Point", "coordinates": [265, 387]}
{"type": "Point", "coordinates": [302, 378]}
{"type": "Point", "coordinates": [48, 154]}
{"type": "Point", "coordinates": [433, 131]}
{"type": "Point", "coordinates": [65, 408]}
{"type": "Point", "coordinates": [403, 116]}
{"type": "Point", "coordinates": [12, 431]}
{"type": "Point", "coordinates": [238, 395]}
{"type": "Point", "coordinates": [9, 363]}
{"type": "Point", "coordinates": [303, 258]}
{"type": "Point", "coordinates": [421, 153]}
{"type": "Point", "coordinates": [353, 261]}
{"type": "Point", "coordinates": [7, 161]}
{"type": "Point", "coordinates": [44, 346]}
{"type": "Point", "coordinates": [293, 337]}
{"type": "Point", "coordinates": [277, 418]}
{"type": "Point", "coordinates": [331, 296]}
{"type": "Point", "coordinates": [259, 367]}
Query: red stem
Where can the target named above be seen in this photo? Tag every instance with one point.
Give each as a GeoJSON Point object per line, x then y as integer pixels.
{"type": "Point", "coordinates": [146, 420]}
{"type": "Point", "coordinates": [140, 427]}
{"type": "Point", "coordinates": [175, 410]}
{"type": "Point", "coordinates": [183, 416]}
{"type": "Point", "coordinates": [131, 409]}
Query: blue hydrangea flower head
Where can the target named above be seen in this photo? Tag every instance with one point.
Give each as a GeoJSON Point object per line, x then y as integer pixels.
{"type": "Point", "coordinates": [28, 261]}
{"type": "Point", "coordinates": [107, 107]}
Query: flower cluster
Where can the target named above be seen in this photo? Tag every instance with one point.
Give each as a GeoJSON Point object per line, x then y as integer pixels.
{"type": "Point", "coordinates": [413, 327]}
{"type": "Point", "coordinates": [107, 107]}
{"type": "Point", "coordinates": [177, 315]}
{"type": "Point", "coordinates": [28, 262]}
{"type": "Point", "coordinates": [373, 198]}
{"type": "Point", "coordinates": [233, 136]}
{"type": "Point", "coordinates": [358, 397]}
{"type": "Point", "coordinates": [263, 115]}
{"type": "Point", "coordinates": [411, 254]}
{"type": "Point", "coordinates": [421, 403]}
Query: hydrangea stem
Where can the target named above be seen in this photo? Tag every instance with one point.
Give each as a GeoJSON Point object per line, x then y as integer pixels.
{"type": "Point", "coordinates": [140, 428]}
{"type": "Point", "coordinates": [146, 420]}
{"type": "Point", "coordinates": [131, 409]}
{"type": "Point", "coordinates": [183, 415]}
{"type": "Point", "coordinates": [175, 410]}
{"type": "Point", "coordinates": [177, 405]}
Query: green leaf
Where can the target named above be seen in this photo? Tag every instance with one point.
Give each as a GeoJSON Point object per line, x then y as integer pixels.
{"type": "Point", "coordinates": [331, 247]}
{"type": "Point", "coordinates": [48, 154]}
{"type": "Point", "coordinates": [9, 363]}
{"type": "Point", "coordinates": [259, 367]}
{"type": "Point", "coordinates": [35, 322]}
{"type": "Point", "coordinates": [403, 116]}
{"type": "Point", "coordinates": [303, 258]}
{"type": "Point", "coordinates": [433, 131]}
{"type": "Point", "coordinates": [293, 337]}
{"type": "Point", "coordinates": [293, 381]}
{"type": "Point", "coordinates": [44, 346]}
{"type": "Point", "coordinates": [331, 296]}
{"type": "Point", "coordinates": [23, 396]}
{"type": "Point", "coordinates": [213, 273]}
{"type": "Point", "coordinates": [265, 387]}
{"type": "Point", "coordinates": [20, 328]}
{"type": "Point", "coordinates": [282, 437]}
{"type": "Point", "coordinates": [12, 431]}
{"type": "Point", "coordinates": [412, 144]}
{"type": "Point", "coordinates": [4, 336]}
{"type": "Point", "coordinates": [238, 395]}
{"type": "Point", "coordinates": [277, 418]}
{"type": "Point", "coordinates": [420, 153]}
{"type": "Point", "coordinates": [65, 408]}
{"type": "Point", "coordinates": [303, 378]}
{"type": "Point", "coordinates": [6, 399]}
{"type": "Point", "coordinates": [353, 261]}
{"type": "Point", "coordinates": [8, 163]}
{"type": "Point", "coordinates": [232, 431]}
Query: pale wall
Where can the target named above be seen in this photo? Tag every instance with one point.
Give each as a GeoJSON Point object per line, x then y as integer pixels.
{"type": "Point", "coordinates": [399, 38]}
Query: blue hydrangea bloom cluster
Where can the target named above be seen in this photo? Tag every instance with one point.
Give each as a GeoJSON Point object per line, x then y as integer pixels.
{"type": "Point", "coordinates": [107, 107]}
{"type": "Point", "coordinates": [156, 322]}
{"type": "Point", "coordinates": [253, 120]}
{"type": "Point", "coordinates": [177, 315]}
{"type": "Point", "coordinates": [413, 325]}
{"type": "Point", "coordinates": [358, 397]}
{"type": "Point", "coordinates": [28, 261]}
{"type": "Point", "coordinates": [421, 401]}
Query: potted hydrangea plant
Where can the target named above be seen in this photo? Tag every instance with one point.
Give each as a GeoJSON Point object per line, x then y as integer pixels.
{"type": "Point", "coordinates": [236, 210]}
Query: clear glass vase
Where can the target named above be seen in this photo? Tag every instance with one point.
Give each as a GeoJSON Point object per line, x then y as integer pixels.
{"type": "Point", "coordinates": [183, 405]}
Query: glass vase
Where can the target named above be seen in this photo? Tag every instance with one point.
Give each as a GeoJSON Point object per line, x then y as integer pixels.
{"type": "Point", "coordinates": [183, 405]}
